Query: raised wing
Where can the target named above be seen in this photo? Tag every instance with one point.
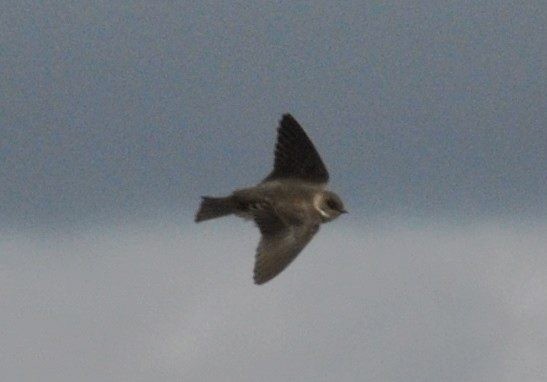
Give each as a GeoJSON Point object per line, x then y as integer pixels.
{"type": "Point", "coordinates": [279, 246]}
{"type": "Point", "coordinates": [295, 155]}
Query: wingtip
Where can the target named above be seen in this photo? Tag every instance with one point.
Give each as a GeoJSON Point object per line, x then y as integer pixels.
{"type": "Point", "coordinates": [259, 278]}
{"type": "Point", "coordinates": [287, 117]}
{"type": "Point", "coordinates": [258, 281]}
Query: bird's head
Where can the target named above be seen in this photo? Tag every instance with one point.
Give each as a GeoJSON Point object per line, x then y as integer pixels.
{"type": "Point", "coordinates": [330, 206]}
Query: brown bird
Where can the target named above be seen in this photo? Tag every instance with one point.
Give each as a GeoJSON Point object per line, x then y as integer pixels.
{"type": "Point", "coordinates": [288, 206]}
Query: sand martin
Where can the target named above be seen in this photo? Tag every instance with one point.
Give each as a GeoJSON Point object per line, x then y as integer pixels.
{"type": "Point", "coordinates": [288, 206]}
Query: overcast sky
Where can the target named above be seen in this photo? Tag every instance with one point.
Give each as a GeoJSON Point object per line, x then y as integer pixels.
{"type": "Point", "coordinates": [418, 109]}
{"type": "Point", "coordinates": [116, 116]}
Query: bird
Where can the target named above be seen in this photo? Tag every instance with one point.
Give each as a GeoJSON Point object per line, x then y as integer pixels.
{"type": "Point", "coordinates": [288, 206]}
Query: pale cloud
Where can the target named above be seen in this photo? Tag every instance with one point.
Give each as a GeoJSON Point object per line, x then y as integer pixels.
{"type": "Point", "coordinates": [374, 302]}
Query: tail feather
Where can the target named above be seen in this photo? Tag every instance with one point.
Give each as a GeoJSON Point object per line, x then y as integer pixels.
{"type": "Point", "coordinates": [211, 208]}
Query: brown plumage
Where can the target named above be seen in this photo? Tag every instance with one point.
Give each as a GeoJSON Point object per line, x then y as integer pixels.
{"type": "Point", "coordinates": [288, 206]}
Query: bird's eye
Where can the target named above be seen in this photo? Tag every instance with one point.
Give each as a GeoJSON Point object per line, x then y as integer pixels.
{"type": "Point", "coordinates": [331, 204]}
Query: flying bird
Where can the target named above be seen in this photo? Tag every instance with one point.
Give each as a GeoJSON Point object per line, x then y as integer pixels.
{"type": "Point", "coordinates": [288, 206]}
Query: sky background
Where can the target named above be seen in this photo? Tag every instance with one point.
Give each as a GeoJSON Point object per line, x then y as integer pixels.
{"type": "Point", "coordinates": [115, 118]}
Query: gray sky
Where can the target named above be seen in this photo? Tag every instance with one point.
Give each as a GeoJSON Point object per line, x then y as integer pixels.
{"type": "Point", "coordinates": [418, 109]}
{"type": "Point", "coordinates": [378, 302]}
{"type": "Point", "coordinates": [115, 118]}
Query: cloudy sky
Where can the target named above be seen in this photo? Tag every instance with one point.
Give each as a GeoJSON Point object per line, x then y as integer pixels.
{"type": "Point", "coordinates": [115, 118]}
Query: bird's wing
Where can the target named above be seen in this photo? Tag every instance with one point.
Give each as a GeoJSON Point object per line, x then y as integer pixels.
{"type": "Point", "coordinates": [295, 155]}
{"type": "Point", "coordinates": [279, 245]}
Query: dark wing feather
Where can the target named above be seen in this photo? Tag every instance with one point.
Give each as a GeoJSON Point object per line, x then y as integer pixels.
{"type": "Point", "coordinates": [279, 246]}
{"type": "Point", "coordinates": [295, 155]}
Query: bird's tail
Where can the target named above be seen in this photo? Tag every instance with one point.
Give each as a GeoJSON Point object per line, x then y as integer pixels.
{"type": "Point", "coordinates": [211, 208]}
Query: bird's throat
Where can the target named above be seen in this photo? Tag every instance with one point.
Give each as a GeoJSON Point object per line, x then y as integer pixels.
{"type": "Point", "coordinates": [317, 198]}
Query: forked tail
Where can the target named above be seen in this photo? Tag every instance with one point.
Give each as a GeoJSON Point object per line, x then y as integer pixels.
{"type": "Point", "coordinates": [211, 208]}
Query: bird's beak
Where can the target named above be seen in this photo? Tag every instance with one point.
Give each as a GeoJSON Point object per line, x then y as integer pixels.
{"type": "Point", "coordinates": [343, 211]}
